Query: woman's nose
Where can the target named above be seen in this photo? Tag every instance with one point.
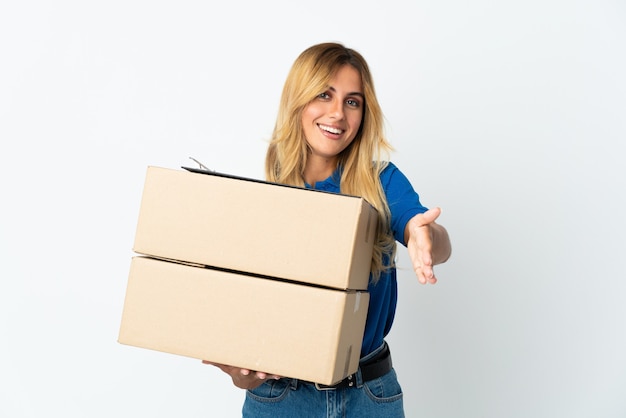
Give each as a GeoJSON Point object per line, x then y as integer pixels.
{"type": "Point", "coordinates": [336, 109]}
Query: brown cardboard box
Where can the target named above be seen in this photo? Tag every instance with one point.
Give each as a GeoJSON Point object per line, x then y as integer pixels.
{"type": "Point", "coordinates": [283, 328]}
{"type": "Point", "coordinates": [257, 227]}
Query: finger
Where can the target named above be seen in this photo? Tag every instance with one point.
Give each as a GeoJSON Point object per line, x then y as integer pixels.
{"type": "Point", "coordinates": [222, 367]}
{"type": "Point", "coordinates": [432, 214]}
{"type": "Point", "coordinates": [429, 275]}
{"type": "Point", "coordinates": [423, 260]}
{"type": "Point", "coordinates": [422, 276]}
{"type": "Point", "coordinates": [429, 216]}
{"type": "Point", "coordinates": [425, 275]}
{"type": "Point", "coordinates": [418, 268]}
{"type": "Point", "coordinates": [424, 269]}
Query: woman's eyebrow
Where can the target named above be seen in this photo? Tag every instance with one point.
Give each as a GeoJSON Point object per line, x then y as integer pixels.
{"type": "Point", "coordinates": [354, 93]}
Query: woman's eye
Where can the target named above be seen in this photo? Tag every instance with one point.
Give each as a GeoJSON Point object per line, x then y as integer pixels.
{"type": "Point", "coordinates": [323, 95]}
{"type": "Point", "coordinates": [353, 103]}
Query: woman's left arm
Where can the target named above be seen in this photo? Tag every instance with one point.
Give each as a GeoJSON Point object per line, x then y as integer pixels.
{"type": "Point", "coordinates": [428, 244]}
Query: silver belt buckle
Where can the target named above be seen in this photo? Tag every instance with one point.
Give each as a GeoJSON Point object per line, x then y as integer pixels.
{"type": "Point", "coordinates": [324, 387]}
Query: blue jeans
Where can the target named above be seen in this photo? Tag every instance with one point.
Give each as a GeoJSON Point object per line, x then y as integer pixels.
{"type": "Point", "coordinates": [289, 398]}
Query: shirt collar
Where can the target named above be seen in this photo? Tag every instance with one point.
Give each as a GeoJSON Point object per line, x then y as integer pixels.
{"type": "Point", "coordinates": [330, 184]}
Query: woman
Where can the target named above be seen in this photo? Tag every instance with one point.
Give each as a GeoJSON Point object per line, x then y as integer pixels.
{"type": "Point", "coordinates": [329, 136]}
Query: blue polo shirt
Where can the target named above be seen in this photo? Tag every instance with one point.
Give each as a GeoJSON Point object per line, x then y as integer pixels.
{"type": "Point", "coordinates": [403, 203]}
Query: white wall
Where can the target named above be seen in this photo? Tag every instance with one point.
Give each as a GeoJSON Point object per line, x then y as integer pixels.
{"type": "Point", "coordinates": [508, 115]}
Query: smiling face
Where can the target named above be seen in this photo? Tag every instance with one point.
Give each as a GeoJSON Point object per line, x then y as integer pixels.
{"type": "Point", "coordinates": [332, 120]}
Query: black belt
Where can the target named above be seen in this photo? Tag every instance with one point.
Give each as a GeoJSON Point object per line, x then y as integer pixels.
{"type": "Point", "coordinates": [371, 369]}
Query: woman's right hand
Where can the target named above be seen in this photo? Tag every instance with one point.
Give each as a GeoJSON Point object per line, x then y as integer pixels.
{"type": "Point", "coordinates": [243, 378]}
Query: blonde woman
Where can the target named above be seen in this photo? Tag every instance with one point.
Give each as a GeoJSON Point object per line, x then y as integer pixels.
{"type": "Point", "coordinates": [329, 136]}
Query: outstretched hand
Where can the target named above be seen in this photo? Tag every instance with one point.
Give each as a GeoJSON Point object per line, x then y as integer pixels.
{"type": "Point", "coordinates": [420, 237]}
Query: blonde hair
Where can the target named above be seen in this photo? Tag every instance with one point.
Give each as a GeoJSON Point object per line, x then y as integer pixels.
{"type": "Point", "coordinates": [361, 162]}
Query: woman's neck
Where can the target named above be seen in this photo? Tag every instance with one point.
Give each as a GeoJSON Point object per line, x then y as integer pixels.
{"type": "Point", "coordinates": [318, 169]}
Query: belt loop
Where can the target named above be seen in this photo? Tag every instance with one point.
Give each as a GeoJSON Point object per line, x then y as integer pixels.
{"type": "Point", "coordinates": [358, 376]}
{"type": "Point", "coordinates": [293, 384]}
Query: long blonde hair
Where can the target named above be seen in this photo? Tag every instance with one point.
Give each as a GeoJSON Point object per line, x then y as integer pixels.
{"type": "Point", "coordinates": [361, 162]}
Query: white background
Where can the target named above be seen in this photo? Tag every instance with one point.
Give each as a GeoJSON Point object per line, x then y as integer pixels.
{"type": "Point", "coordinates": [508, 115]}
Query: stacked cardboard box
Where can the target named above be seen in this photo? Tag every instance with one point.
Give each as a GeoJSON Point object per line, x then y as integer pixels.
{"type": "Point", "coordinates": [248, 273]}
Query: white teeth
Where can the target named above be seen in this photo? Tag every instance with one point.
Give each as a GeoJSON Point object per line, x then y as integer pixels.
{"type": "Point", "coordinates": [331, 129]}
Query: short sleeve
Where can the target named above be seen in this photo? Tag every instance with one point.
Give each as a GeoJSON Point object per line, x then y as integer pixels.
{"type": "Point", "coordinates": [403, 200]}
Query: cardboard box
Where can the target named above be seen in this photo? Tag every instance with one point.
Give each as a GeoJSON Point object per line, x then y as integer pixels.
{"type": "Point", "coordinates": [283, 328]}
{"type": "Point", "coordinates": [253, 226]}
